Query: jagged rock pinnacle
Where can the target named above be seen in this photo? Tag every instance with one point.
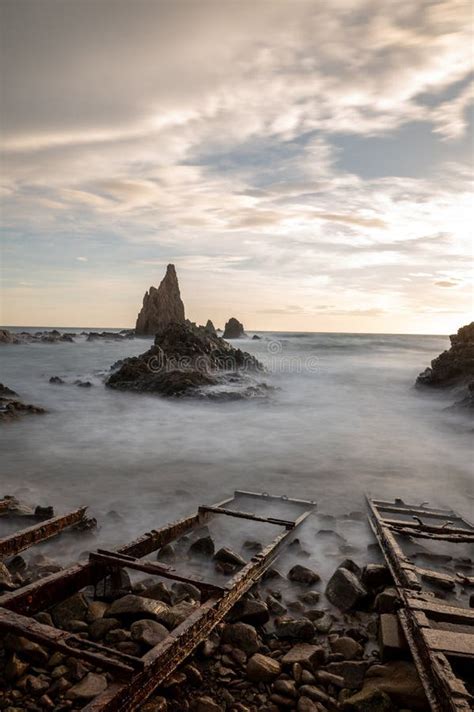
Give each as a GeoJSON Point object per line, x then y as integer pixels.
{"type": "Point", "coordinates": [161, 306]}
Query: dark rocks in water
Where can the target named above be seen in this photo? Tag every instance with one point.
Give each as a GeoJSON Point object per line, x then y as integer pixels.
{"type": "Point", "coordinates": [301, 574]}
{"type": "Point", "coordinates": [44, 512]}
{"type": "Point", "coordinates": [183, 358]}
{"type": "Point", "coordinates": [161, 306]}
{"type": "Point", "coordinates": [83, 384]}
{"type": "Point", "coordinates": [204, 546]}
{"type": "Point", "coordinates": [11, 407]}
{"type": "Point", "coordinates": [56, 380]}
{"type": "Point", "coordinates": [227, 556]}
{"type": "Point", "coordinates": [294, 628]}
{"type": "Point", "coordinates": [255, 337]}
{"type": "Point", "coordinates": [454, 368]}
{"type": "Point", "coordinates": [233, 329]}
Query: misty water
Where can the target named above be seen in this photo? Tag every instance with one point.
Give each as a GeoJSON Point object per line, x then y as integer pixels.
{"type": "Point", "coordinates": [344, 419]}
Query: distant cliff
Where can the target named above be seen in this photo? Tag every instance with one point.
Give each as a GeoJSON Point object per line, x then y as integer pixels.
{"type": "Point", "coordinates": [161, 306]}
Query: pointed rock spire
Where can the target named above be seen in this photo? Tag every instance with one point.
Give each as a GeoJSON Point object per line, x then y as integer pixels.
{"type": "Point", "coordinates": [161, 306]}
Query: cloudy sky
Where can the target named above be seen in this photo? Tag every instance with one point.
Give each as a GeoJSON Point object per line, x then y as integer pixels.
{"type": "Point", "coordinates": [307, 165]}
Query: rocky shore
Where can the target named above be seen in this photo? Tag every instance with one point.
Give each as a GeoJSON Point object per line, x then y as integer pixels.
{"type": "Point", "coordinates": [53, 336]}
{"type": "Point", "coordinates": [12, 406]}
{"type": "Point", "coordinates": [294, 642]}
{"type": "Point", "coordinates": [454, 368]}
{"type": "Point", "coordinates": [184, 359]}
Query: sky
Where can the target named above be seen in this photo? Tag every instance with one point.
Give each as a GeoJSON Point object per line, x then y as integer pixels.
{"type": "Point", "coordinates": [307, 166]}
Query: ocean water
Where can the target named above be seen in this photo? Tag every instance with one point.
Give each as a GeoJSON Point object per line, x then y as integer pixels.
{"type": "Point", "coordinates": [343, 419]}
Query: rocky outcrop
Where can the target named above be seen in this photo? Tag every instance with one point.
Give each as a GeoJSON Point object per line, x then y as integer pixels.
{"type": "Point", "coordinates": [233, 329]}
{"type": "Point", "coordinates": [161, 306]}
{"type": "Point", "coordinates": [454, 368]}
{"type": "Point", "coordinates": [183, 359]}
{"type": "Point", "coordinates": [12, 407]}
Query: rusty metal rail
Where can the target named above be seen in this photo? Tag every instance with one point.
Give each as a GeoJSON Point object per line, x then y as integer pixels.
{"type": "Point", "coordinates": [440, 633]}
{"type": "Point", "coordinates": [47, 529]}
{"type": "Point", "coordinates": [136, 678]}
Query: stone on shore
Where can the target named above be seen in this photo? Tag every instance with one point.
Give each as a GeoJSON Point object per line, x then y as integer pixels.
{"type": "Point", "coordinates": [344, 590]}
{"type": "Point", "coordinates": [301, 574]}
{"type": "Point", "coordinates": [261, 668]}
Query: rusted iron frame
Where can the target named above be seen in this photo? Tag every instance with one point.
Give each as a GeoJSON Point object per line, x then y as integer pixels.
{"type": "Point", "coordinates": [274, 497]}
{"type": "Point", "coordinates": [444, 690]}
{"type": "Point", "coordinates": [397, 523]}
{"type": "Point", "coordinates": [48, 528]}
{"type": "Point", "coordinates": [288, 523]}
{"type": "Point", "coordinates": [162, 660]}
{"type": "Point", "coordinates": [150, 567]}
{"type": "Point", "coordinates": [70, 644]}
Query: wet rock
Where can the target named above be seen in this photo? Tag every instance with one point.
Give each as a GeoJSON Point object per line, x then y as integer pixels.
{"type": "Point", "coordinates": [6, 579]}
{"type": "Point", "coordinates": [166, 554]}
{"type": "Point", "coordinates": [242, 635]}
{"type": "Point", "coordinates": [352, 672]}
{"type": "Point", "coordinates": [374, 576]}
{"type": "Point", "coordinates": [387, 601]}
{"type": "Point", "coordinates": [253, 545]}
{"type": "Point", "coordinates": [310, 598]}
{"type": "Point", "coordinates": [369, 701]}
{"type": "Point", "coordinates": [132, 608]}
{"type": "Point", "coordinates": [15, 668]}
{"type": "Point", "coordinates": [83, 384]}
{"type": "Point", "coordinates": [158, 592]}
{"type": "Point", "coordinates": [306, 655]}
{"type": "Point", "coordinates": [96, 610]}
{"type": "Point", "coordinates": [398, 679]}
{"type": "Point", "coordinates": [305, 704]}
{"type": "Point", "coordinates": [227, 556]}
{"type": "Point", "coordinates": [274, 606]}
{"type": "Point", "coordinates": [88, 688]}
{"type": "Point", "coordinates": [206, 704]}
{"type": "Point", "coordinates": [233, 329]}
{"type": "Point", "coordinates": [204, 546]}
{"type": "Point", "coordinates": [347, 647]}
{"type": "Point", "coordinates": [302, 574]}
{"type": "Point", "coordinates": [148, 632]}
{"type": "Point", "coordinates": [26, 649]}
{"type": "Point", "coordinates": [56, 380]}
{"type": "Point", "coordinates": [175, 615]}
{"type": "Point", "coordinates": [261, 668]}
{"type": "Point", "coordinates": [182, 591]}
{"type": "Point", "coordinates": [344, 589]}
{"type": "Point", "coordinates": [99, 628]}
{"type": "Point", "coordinates": [296, 628]}
{"type": "Point", "coordinates": [250, 610]}
{"type": "Point", "coordinates": [322, 624]}
{"type": "Point", "coordinates": [73, 608]}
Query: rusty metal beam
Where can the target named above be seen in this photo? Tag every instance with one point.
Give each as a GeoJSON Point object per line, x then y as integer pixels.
{"type": "Point", "coordinates": [275, 498]}
{"type": "Point", "coordinates": [19, 541]}
{"type": "Point", "coordinates": [432, 645]}
{"type": "Point", "coordinates": [287, 523]}
{"type": "Point", "coordinates": [113, 661]}
{"type": "Point", "coordinates": [150, 567]}
{"type": "Point", "coordinates": [164, 658]}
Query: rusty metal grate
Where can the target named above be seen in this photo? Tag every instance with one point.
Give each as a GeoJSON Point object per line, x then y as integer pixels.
{"type": "Point", "coordinates": [435, 613]}
{"type": "Point", "coordinates": [136, 678]}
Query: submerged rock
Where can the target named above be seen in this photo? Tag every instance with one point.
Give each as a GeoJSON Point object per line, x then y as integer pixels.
{"type": "Point", "coordinates": [161, 306]}
{"type": "Point", "coordinates": [454, 368]}
{"type": "Point", "coordinates": [12, 407]}
{"type": "Point", "coordinates": [344, 590]}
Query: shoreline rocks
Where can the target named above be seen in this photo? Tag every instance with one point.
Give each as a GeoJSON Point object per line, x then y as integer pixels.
{"type": "Point", "coordinates": [161, 306]}
{"type": "Point", "coordinates": [454, 368]}
{"type": "Point", "coordinates": [12, 406]}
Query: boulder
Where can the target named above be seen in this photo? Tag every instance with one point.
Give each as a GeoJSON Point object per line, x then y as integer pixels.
{"type": "Point", "coordinates": [227, 556]}
{"type": "Point", "coordinates": [241, 635]}
{"type": "Point", "coordinates": [88, 688]}
{"type": "Point", "coordinates": [344, 590]}
{"type": "Point", "coordinates": [233, 329]}
{"type": "Point", "coordinates": [398, 679]}
{"type": "Point", "coordinates": [375, 576]}
{"type": "Point", "coordinates": [261, 668]}
{"type": "Point", "coordinates": [306, 655]}
{"type": "Point", "coordinates": [387, 601]}
{"type": "Point", "coordinates": [148, 632]}
{"type": "Point", "coordinates": [250, 610]}
{"type": "Point", "coordinates": [301, 574]}
{"type": "Point", "coordinates": [161, 306]}
{"type": "Point", "coordinates": [132, 608]}
{"type": "Point", "coordinates": [296, 628]}
{"type": "Point", "coordinates": [73, 608]}
{"type": "Point", "coordinates": [204, 546]}
{"type": "Point", "coordinates": [347, 647]}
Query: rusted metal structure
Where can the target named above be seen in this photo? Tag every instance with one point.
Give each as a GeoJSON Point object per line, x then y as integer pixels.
{"type": "Point", "coordinates": [435, 613]}
{"type": "Point", "coordinates": [44, 530]}
{"type": "Point", "coordinates": [135, 678]}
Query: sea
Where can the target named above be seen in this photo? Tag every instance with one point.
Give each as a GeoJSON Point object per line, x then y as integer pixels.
{"type": "Point", "coordinates": [343, 419]}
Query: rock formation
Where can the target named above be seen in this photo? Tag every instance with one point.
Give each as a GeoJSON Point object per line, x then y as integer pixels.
{"type": "Point", "coordinates": [11, 406]}
{"type": "Point", "coordinates": [233, 329]}
{"type": "Point", "coordinates": [184, 358]}
{"type": "Point", "coordinates": [454, 368]}
{"type": "Point", "coordinates": [161, 306]}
